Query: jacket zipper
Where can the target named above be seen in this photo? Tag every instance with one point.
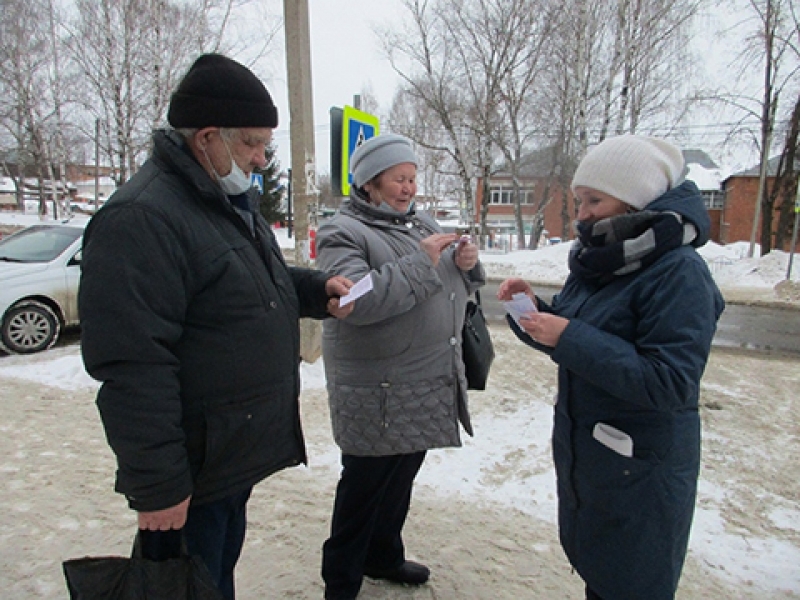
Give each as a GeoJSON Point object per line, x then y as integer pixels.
{"type": "Point", "coordinates": [385, 404]}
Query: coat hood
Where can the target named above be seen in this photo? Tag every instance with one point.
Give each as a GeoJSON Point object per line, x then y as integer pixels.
{"type": "Point", "coordinates": [687, 201]}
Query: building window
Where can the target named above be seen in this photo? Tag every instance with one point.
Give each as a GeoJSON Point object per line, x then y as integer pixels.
{"type": "Point", "coordinates": [714, 199]}
{"type": "Point", "coordinates": [500, 194]}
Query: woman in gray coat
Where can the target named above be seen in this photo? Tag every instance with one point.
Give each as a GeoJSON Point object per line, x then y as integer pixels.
{"type": "Point", "coordinates": [395, 376]}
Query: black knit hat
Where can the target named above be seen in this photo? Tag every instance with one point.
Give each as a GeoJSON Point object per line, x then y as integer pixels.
{"type": "Point", "coordinates": [220, 92]}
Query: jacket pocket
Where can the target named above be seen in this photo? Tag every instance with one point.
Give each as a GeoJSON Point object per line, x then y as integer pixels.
{"type": "Point", "coordinates": [249, 437]}
{"type": "Point", "coordinates": [614, 484]}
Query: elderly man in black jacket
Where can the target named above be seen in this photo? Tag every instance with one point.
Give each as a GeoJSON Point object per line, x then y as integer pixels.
{"type": "Point", "coordinates": [190, 320]}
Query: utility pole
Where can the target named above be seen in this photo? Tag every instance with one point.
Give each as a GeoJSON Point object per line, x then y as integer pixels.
{"type": "Point", "coordinates": [304, 164]}
{"type": "Point", "coordinates": [96, 164]}
{"type": "Point", "coordinates": [794, 231]}
{"type": "Point", "coordinates": [768, 108]}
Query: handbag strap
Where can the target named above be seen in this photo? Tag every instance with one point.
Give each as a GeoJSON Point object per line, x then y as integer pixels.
{"type": "Point", "coordinates": [478, 297]}
{"type": "Point", "coordinates": [159, 545]}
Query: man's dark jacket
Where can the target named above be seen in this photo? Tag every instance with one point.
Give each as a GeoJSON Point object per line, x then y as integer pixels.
{"type": "Point", "coordinates": [191, 324]}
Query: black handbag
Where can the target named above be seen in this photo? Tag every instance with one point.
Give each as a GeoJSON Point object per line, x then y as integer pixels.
{"type": "Point", "coordinates": [138, 578]}
{"type": "Point", "coordinates": [476, 347]}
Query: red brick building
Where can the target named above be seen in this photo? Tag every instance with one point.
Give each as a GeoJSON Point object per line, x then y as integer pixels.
{"type": "Point", "coordinates": [536, 184]}
{"type": "Point", "coordinates": [560, 210]}
{"type": "Point", "coordinates": [734, 221]}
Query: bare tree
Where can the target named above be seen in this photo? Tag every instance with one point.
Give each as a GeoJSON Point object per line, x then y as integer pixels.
{"type": "Point", "coordinates": [771, 49]}
{"type": "Point", "coordinates": [504, 40]}
{"type": "Point", "coordinates": [70, 65]}
{"type": "Point", "coordinates": [412, 117]}
{"type": "Point", "coordinates": [369, 102]}
{"type": "Point", "coordinates": [787, 178]}
{"type": "Point", "coordinates": [787, 175]}
{"type": "Point", "coordinates": [423, 55]}
{"type": "Point", "coordinates": [30, 111]}
{"type": "Point", "coordinates": [474, 65]}
{"type": "Point", "coordinates": [530, 28]}
{"type": "Point", "coordinates": [123, 60]}
{"type": "Point", "coordinates": [131, 54]}
{"type": "Point", "coordinates": [650, 41]}
{"type": "Point", "coordinates": [519, 76]}
{"type": "Point", "coordinates": [776, 43]}
{"type": "Point", "coordinates": [569, 87]}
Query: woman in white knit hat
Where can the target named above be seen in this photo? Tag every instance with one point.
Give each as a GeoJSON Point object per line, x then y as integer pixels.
{"type": "Point", "coordinates": [395, 377]}
{"type": "Point", "coordinates": [630, 332]}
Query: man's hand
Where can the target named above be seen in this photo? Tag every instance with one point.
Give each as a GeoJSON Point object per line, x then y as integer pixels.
{"type": "Point", "coordinates": [437, 243]}
{"type": "Point", "coordinates": [336, 287]}
{"type": "Point", "coordinates": [173, 517]}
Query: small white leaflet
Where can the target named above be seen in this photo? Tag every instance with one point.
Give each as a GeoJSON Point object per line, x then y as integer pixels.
{"type": "Point", "coordinates": [519, 305]}
{"type": "Point", "coordinates": [360, 288]}
{"type": "Point", "coordinates": [611, 437]}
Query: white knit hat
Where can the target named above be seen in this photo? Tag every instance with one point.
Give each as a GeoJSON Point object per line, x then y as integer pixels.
{"type": "Point", "coordinates": [632, 168]}
{"type": "Point", "coordinates": [379, 153]}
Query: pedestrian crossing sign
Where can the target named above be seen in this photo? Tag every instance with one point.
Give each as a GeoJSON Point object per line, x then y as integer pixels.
{"type": "Point", "coordinates": [357, 127]}
{"type": "Point", "coordinates": [257, 181]}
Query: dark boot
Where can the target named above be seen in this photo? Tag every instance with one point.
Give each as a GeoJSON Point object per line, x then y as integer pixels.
{"type": "Point", "coordinates": [409, 573]}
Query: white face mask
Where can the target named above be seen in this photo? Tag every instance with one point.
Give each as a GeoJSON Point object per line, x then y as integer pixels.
{"type": "Point", "coordinates": [234, 183]}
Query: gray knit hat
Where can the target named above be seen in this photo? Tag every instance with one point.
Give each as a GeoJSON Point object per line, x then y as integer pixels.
{"type": "Point", "coordinates": [632, 168]}
{"type": "Point", "coordinates": [379, 153]}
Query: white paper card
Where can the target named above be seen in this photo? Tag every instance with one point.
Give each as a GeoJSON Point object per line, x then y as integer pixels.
{"type": "Point", "coordinates": [363, 286]}
{"type": "Point", "coordinates": [519, 304]}
{"type": "Point", "coordinates": [611, 437]}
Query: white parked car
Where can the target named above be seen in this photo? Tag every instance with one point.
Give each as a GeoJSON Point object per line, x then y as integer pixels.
{"type": "Point", "coordinates": [39, 276]}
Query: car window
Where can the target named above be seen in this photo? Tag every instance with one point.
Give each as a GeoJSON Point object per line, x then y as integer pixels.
{"type": "Point", "coordinates": [40, 243]}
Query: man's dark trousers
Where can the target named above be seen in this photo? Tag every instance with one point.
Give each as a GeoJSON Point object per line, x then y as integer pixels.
{"type": "Point", "coordinates": [215, 531]}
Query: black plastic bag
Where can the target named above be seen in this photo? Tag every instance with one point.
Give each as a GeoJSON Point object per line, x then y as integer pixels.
{"type": "Point", "coordinates": [137, 578]}
{"type": "Point", "coordinates": [477, 348]}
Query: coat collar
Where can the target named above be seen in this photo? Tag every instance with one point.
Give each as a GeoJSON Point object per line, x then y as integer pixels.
{"type": "Point", "coordinates": [358, 207]}
{"type": "Point", "coordinates": [172, 152]}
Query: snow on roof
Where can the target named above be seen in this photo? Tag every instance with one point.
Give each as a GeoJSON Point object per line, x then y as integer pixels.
{"type": "Point", "coordinates": [89, 183]}
{"type": "Point", "coordinates": [699, 157]}
{"type": "Point", "coordinates": [706, 179]}
{"type": "Point", "coordinates": [7, 185]}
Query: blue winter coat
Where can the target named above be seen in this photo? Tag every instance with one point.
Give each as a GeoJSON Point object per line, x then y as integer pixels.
{"type": "Point", "coordinates": [632, 357]}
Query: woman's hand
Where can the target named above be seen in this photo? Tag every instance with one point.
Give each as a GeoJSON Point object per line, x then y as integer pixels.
{"type": "Point", "coordinates": [514, 286]}
{"type": "Point", "coordinates": [544, 328]}
{"type": "Point", "coordinates": [466, 253]}
{"type": "Point", "coordinates": [437, 243]}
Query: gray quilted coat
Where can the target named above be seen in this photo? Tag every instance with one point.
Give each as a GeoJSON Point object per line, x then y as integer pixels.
{"type": "Point", "coordinates": [395, 376]}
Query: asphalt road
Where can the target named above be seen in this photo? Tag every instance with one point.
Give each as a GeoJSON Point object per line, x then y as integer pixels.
{"type": "Point", "coordinates": [755, 328]}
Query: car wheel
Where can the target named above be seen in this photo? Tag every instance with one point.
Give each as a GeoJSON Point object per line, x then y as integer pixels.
{"type": "Point", "coordinates": [29, 326]}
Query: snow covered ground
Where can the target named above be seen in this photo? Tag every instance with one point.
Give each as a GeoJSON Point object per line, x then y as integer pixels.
{"type": "Point", "coordinates": [483, 515]}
